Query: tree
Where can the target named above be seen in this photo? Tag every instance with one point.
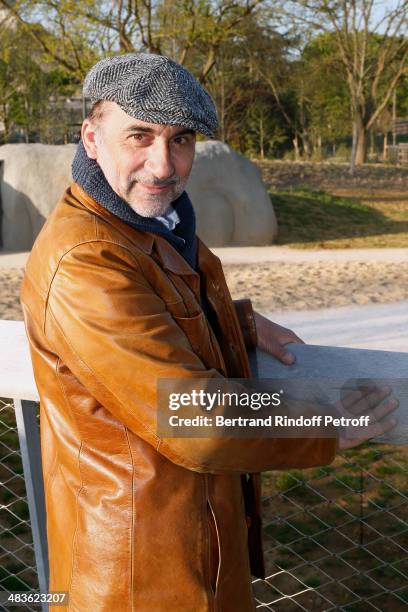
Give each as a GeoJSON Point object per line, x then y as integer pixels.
{"type": "Point", "coordinates": [326, 95]}
{"type": "Point", "coordinates": [373, 52]}
{"type": "Point", "coordinates": [250, 119]}
{"type": "Point", "coordinates": [33, 89]}
{"type": "Point", "coordinates": [60, 33]}
{"type": "Point", "coordinates": [260, 102]}
{"type": "Point", "coordinates": [174, 28]}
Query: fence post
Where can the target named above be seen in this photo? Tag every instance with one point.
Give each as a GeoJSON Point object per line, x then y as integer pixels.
{"type": "Point", "coordinates": [29, 438]}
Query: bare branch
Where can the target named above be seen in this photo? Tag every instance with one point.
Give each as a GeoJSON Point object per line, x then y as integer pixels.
{"type": "Point", "coordinates": [34, 32]}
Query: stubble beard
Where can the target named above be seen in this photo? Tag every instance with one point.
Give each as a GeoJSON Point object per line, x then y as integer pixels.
{"type": "Point", "coordinates": [152, 204]}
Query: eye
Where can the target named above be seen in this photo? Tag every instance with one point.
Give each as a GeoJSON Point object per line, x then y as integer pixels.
{"type": "Point", "coordinates": [138, 137]}
{"type": "Point", "coordinates": [181, 140]}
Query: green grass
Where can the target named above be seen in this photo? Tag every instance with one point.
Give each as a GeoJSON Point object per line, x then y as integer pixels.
{"type": "Point", "coordinates": [348, 482]}
{"type": "Point", "coordinates": [386, 470]}
{"type": "Point", "coordinates": [317, 219]}
{"type": "Point", "coordinates": [289, 480]}
{"type": "Point", "coordinates": [348, 518]}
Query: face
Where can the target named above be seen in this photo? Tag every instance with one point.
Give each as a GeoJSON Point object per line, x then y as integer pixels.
{"type": "Point", "coordinates": [146, 164]}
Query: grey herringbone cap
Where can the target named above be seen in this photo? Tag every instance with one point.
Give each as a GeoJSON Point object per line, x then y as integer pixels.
{"type": "Point", "coordinates": [153, 88]}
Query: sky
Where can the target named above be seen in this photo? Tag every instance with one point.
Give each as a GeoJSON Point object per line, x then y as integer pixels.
{"type": "Point", "coordinates": [381, 6]}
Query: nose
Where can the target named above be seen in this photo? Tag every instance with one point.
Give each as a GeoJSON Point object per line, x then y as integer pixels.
{"type": "Point", "coordinates": [159, 161]}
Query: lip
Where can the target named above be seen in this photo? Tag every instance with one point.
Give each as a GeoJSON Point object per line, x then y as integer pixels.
{"type": "Point", "coordinates": [154, 189]}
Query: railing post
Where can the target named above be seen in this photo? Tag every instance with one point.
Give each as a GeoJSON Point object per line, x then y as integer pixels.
{"type": "Point", "coordinates": [29, 438]}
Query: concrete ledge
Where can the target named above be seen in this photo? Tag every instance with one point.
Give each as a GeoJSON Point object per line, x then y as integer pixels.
{"type": "Point", "coordinates": [313, 363]}
{"type": "Point", "coordinates": [16, 372]}
{"type": "Point", "coordinates": [263, 254]}
{"type": "Point", "coordinates": [331, 368]}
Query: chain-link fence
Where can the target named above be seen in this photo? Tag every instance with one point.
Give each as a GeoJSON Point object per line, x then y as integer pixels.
{"type": "Point", "coordinates": [336, 537]}
{"type": "Point", "coordinates": [18, 570]}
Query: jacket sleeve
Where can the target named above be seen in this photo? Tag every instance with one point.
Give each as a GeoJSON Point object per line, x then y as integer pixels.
{"type": "Point", "coordinates": [114, 333]}
{"type": "Point", "coordinates": [246, 319]}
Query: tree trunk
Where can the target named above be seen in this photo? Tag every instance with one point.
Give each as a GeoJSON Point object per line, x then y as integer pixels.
{"type": "Point", "coordinates": [296, 147]}
{"type": "Point", "coordinates": [372, 145]}
{"type": "Point", "coordinates": [27, 120]}
{"type": "Point", "coordinates": [306, 145]}
{"type": "Point", "coordinates": [361, 142]}
{"type": "Point", "coordinates": [385, 146]}
{"type": "Point", "coordinates": [318, 149]}
{"type": "Point", "coordinates": [222, 96]}
{"type": "Point", "coordinates": [261, 138]}
{"type": "Point", "coordinates": [6, 132]}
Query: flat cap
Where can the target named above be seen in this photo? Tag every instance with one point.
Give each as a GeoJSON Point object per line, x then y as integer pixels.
{"type": "Point", "coordinates": [153, 88]}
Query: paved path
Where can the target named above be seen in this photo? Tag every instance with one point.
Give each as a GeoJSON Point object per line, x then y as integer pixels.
{"type": "Point", "coordinates": [231, 255]}
{"type": "Point", "coordinates": [375, 326]}
{"type": "Point", "coordinates": [237, 255]}
{"type": "Point", "coordinates": [13, 260]}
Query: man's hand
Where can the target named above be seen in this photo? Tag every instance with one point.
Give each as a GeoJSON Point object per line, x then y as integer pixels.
{"type": "Point", "coordinates": [366, 401]}
{"type": "Point", "coordinates": [273, 337]}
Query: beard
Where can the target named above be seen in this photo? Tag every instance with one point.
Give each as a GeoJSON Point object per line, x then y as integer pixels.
{"type": "Point", "coordinates": [152, 204]}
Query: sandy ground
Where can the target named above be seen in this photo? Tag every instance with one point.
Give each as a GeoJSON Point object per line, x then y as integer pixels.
{"type": "Point", "coordinates": [279, 286]}
{"type": "Point", "coordinates": [10, 280]}
{"type": "Point", "coordinates": [310, 285]}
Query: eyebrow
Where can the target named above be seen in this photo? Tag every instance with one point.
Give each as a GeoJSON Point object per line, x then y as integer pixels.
{"type": "Point", "coordinates": [147, 130]}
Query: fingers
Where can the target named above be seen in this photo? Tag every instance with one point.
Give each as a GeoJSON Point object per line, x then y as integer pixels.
{"type": "Point", "coordinates": [355, 395]}
{"type": "Point", "coordinates": [273, 338]}
{"type": "Point", "coordinates": [364, 399]}
{"type": "Point", "coordinates": [287, 357]}
{"type": "Point", "coordinates": [281, 353]}
{"type": "Point", "coordinates": [379, 423]}
{"type": "Point", "coordinates": [380, 412]}
{"type": "Point", "coordinates": [290, 336]}
{"type": "Point", "coordinates": [389, 424]}
{"type": "Point", "coordinates": [377, 429]}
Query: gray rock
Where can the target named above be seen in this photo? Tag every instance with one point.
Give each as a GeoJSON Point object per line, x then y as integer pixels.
{"type": "Point", "coordinates": [33, 178]}
{"type": "Point", "coordinates": [231, 202]}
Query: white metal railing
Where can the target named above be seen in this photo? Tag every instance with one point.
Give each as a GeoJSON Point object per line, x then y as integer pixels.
{"type": "Point", "coordinates": [17, 384]}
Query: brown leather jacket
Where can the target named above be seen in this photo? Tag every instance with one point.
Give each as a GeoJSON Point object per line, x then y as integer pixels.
{"type": "Point", "coordinates": [136, 523]}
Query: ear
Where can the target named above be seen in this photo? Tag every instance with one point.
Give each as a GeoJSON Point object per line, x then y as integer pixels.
{"type": "Point", "coordinates": [88, 138]}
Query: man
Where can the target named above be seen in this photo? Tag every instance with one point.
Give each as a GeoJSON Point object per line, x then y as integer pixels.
{"type": "Point", "coordinates": [118, 293]}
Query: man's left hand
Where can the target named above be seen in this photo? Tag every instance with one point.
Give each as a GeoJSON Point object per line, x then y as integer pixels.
{"type": "Point", "coordinates": [273, 337]}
